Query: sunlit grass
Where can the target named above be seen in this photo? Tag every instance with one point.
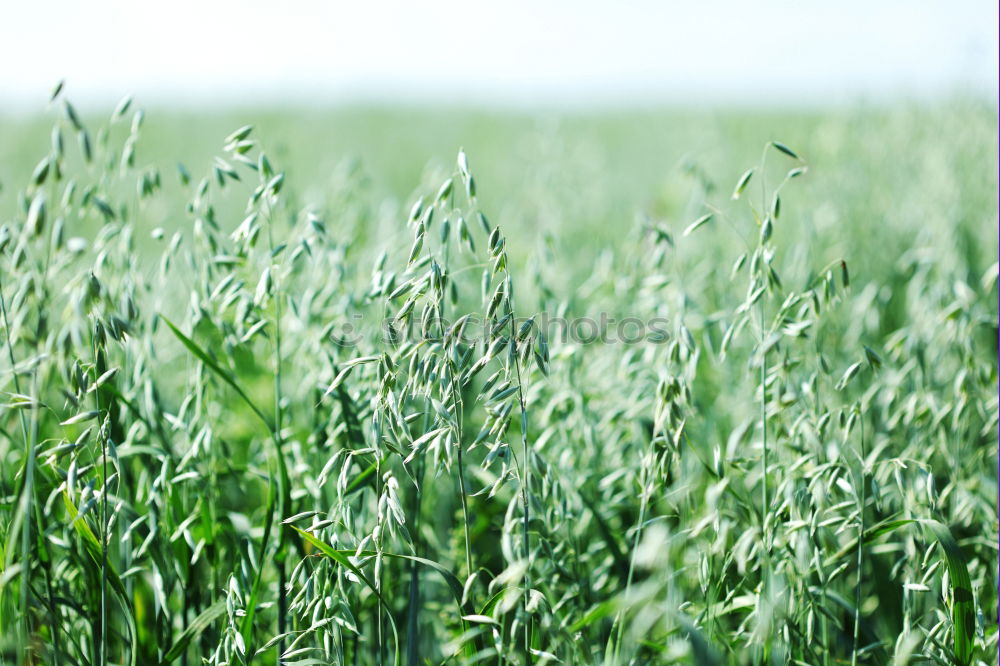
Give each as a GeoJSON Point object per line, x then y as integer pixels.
{"type": "Point", "coordinates": [215, 448]}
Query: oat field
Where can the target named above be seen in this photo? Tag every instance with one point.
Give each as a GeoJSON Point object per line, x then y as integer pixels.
{"type": "Point", "coordinates": [421, 386]}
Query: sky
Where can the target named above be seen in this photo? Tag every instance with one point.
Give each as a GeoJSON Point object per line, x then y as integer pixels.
{"type": "Point", "coordinates": [504, 52]}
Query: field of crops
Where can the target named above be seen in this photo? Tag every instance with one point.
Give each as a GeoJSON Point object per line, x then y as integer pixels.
{"type": "Point", "coordinates": [426, 386]}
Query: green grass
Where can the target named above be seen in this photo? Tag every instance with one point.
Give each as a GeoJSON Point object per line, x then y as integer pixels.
{"type": "Point", "coordinates": [214, 450]}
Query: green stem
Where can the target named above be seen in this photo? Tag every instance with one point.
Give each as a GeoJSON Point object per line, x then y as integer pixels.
{"type": "Point", "coordinates": [643, 504]}
{"type": "Point", "coordinates": [282, 509]}
{"type": "Point", "coordinates": [413, 604]}
{"type": "Point", "coordinates": [765, 506]}
{"type": "Point", "coordinates": [861, 533]}
{"type": "Point", "coordinates": [526, 481]}
{"type": "Point", "coordinates": [27, 492]}
{"type": "Point", "coordinates": [456, 401]}
{"type": "Point", "coordinates": [102, 439]}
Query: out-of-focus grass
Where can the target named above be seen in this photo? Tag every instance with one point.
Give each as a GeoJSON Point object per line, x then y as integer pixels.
{"type": "Point", "coordinates": [585, 176]}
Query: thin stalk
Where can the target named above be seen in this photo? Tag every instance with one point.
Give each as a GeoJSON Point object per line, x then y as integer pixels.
{"type": "Point", "coordinates": [765, 504]}
{"type": "Point", "coordinates": [763, 362]}
{"type": "Point", "coordinates": [861, 534]}
{"type": "Point", "coordinates": [29, 497]}
{"type": "Point", "coordinates": [102, 438]}
{"type": "Point", "coordinates": [763, 431]}
{"type": "Point", "coordinates": [28, 488]}
{"type": "Point", "coordinates": [43, 294]}
{"type": "Point", "coordinates": [463, 493]}
{"type": "Point", "coordinates": [280, 560]}
{"type": "Point", "coordinates": [525, 492]}
{"type": "Point", "coordinates": [53, 611]}
{"type": "Point", "coordinates": [526, 481]}
{"type": "Point", "coordinates": [276, 496]}
{"type": "Point", "coordinates": [379, 640]}
{"type": "Point", "coordinates": [643, 504]}
{"type": "Point", "coordinates": [413, 604]}
{"type": "Point", "coordinates": [456, 401]}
